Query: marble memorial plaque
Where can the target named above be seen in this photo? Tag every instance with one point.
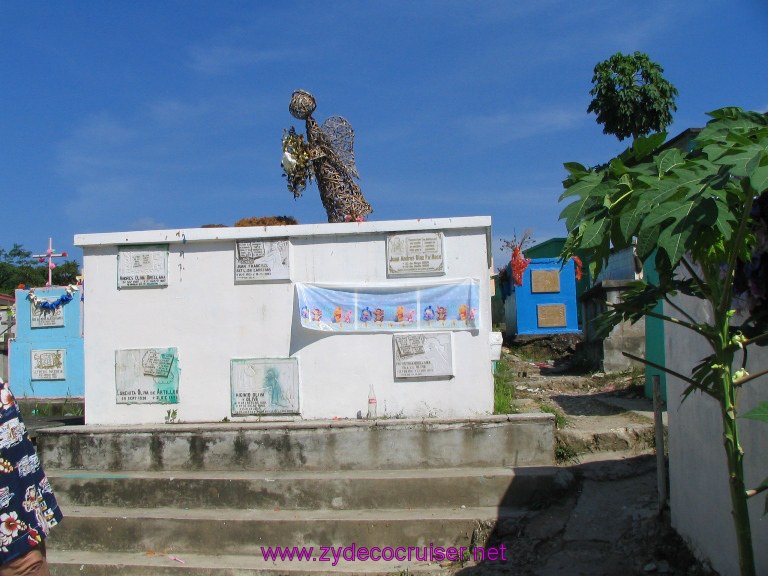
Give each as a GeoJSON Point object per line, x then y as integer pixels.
{"type": "Point", "coordinates": [551, 315]}
{"type": "Point", "coordinates": [142, 266]}
{"type": "Point", "coordinates": [45, 318]}
{"type": "Point", "coordinates": [147, 376]}
{"type": "Point", "coordinates": [543, 281]}
{"type": "Point", "coordinates": [423, 355]}
{"type": "Point", "coordinates": [49, 364]}
{"type": "Point", "coordinates": [264, 386]}
{"type": "Point", "coordinates": [415, 254]}
{"type": "Point", "coordinates": [262, 260]}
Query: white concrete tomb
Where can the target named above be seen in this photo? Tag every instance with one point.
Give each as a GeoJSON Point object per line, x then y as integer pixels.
{"type": "Point", "coordinates": [288, 322]}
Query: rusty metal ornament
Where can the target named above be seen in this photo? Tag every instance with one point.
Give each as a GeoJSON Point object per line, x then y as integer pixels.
{"type": "Point", "coordinates": [328, 157]}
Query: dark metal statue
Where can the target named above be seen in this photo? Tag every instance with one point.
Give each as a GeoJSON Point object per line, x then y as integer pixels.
{"type": "Point", "coordinates": [328, 157]}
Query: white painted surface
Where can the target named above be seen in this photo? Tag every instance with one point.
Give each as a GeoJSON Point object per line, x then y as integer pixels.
{"type": "Point", "coordinates": [210, 320]}
{"type": "Point", "coordinates": [699, 495]}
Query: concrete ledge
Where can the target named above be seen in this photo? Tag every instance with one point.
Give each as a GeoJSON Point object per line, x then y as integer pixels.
{"type": "Point", "coordinates": [337, 490]}
{"type": "Point", "coordinates": [86, 563]}
{"type": "Point", "coordinates": [246, 531]}
{"type": "Point", "coordinates": [506, 440]}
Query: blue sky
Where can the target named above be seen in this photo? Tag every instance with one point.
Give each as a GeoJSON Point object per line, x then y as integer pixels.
{"type": "Point", "coordinates": [118, 116]}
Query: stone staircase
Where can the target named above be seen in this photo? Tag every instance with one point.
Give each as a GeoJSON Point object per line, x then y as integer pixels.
{"type": "Point", "coordinates": [194, 499]}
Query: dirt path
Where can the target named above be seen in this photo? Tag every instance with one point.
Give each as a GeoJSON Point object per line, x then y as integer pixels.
{"type": "Point", "coordinates": [608, 522]}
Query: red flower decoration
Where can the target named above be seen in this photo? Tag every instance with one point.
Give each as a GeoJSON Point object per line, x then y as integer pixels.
{"type": "Point", "coordinates": [519, 264]}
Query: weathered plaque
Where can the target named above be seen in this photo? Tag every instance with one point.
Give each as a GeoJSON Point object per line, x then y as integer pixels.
{"type": "Point", "coordinates": [49, 364]}
{"type": "Point", "coordinates": [147, 376]}
{"type": "Point", "coordinates": [545, 281]}
{"type": "Point", "coordinates": [551, 315]}
{"type": "Point", "coordinates": [157, 363]}
{"type": "Point", "coordinates": [264, 386]}
{"type": "Point", "coordinates": [415, 254]}
{"type": "Point", "coordinates": [423, 355]}
{"type": "Point", "coordinates": [142, 266]}
{"type": "Point", "coordinates": [262, 260]}
{"type": "Point", "coordinates": [46, 318]}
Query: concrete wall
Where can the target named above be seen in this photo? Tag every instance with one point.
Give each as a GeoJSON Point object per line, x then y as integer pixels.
{"type": "Point", "coordinates": [625, 336]}
{"type": "Point", "coordinates": [67, 337]}
{"type": "Point", "coordinates": [699, 494]}
{"type": "Point", "coordinates": [211, 320]}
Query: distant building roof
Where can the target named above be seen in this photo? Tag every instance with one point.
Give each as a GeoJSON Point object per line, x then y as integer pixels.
{"type": "Point", "coordinates": [7, 300]}
{"type": "Point", "coordinates": [548, 249]}
{"type": "Point", "coordinates": [683, 141]}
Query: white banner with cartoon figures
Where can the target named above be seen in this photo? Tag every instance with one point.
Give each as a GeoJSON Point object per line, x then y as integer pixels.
{"type": "Point", "coordinates": [441, 306]}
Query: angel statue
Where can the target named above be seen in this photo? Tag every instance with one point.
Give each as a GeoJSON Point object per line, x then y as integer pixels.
{"type": "Point", "coordinates": [328, 157]}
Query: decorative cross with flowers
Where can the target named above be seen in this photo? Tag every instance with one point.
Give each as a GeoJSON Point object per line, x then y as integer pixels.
{"type": "Point", "coordinates": [50, 255]}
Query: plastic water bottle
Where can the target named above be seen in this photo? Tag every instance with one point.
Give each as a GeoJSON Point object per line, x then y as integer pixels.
{"type": "Point", "coordinates": [371, 403]}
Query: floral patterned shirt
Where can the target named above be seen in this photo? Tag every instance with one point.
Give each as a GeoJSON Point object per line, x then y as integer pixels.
{"type": "Point", "coordinates": [28, 508]}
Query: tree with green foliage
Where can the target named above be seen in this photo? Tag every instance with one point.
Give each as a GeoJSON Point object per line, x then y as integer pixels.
{"type": "Point", "coordinates": [18, 267]}
{"type": "Point", "coordinates": [703, 217]}
{"type": "Point", "coordinates": [631, 97]}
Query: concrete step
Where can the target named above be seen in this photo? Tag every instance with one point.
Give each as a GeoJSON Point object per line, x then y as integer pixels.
{"type": "Point", "coordinates": [80, 563]}
{"type": "Point", "coordinates": [492, 441]}
{"type": "Point", "coordinates": [338, 490]}
{"type": "Point", "coordinates": [632, 438]}
{"type": "Point", "coordinates": [244, 532]}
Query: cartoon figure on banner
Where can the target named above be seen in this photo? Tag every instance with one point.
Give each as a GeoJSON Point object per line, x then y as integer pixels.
{"type": "Point", "coordinates": [366, 315]}
{"type": "Point", "coordinates": [305, 312]}
{"type": "Point", "coordinates": [442, 313]}
{"type": "Point", "coordinates": [337, 315]}
{"type": "Point", "coordinates": [328, 157]}
{"type": "Point", "coordinates": [429, 313]}
{"type": "Point", "coordinates": [463, 312]}
{"type": "Point", "coordinates": [378, 315]}
{"type": "Point", "coordinates": [410, 316]}
{"type": "Point", "coordinates": [400, 314]}
{"type": "Point", "coordinates": [317, 315]}
{"type": "Point", "coordinates": [348, 317]}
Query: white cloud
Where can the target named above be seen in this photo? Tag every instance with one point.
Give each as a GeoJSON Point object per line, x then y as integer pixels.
{"type": "Point", "coordinates": [222, 59]}
{"type": "Point", "coordinates": [510, 126]}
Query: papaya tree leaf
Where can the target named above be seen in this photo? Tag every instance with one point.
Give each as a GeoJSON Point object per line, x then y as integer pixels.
{"type": "Point", "coordinates": [595, 233]}
{"type": "Point", "coordinates": [669, 159]}
{"type": "Point", "coordinates": [759, 177]}
{"type": "Point", "coordinates": [759, 412]}
{"type": "Point", "coordinates": [575, 168]}
{"type": "Point", "coordinates": [583, 185]}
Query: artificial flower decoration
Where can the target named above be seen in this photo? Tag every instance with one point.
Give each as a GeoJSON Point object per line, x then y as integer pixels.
{"type": "Point", "coordinates": [296, 162]}
{"type": "Point", "coordinates": [38, 302]}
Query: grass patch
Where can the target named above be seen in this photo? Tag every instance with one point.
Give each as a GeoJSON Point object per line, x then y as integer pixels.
{"type": "Point", "coordinates": [503, 388]}
{"type": "Point", "coordinates": [565, 453]}
{"type": "Point", "coordinates": [560, 420]}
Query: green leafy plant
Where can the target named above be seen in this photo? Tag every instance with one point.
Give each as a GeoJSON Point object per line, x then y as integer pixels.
{"type": "Point", "coordinates": [171, 416]}
{"type": "Point", "coordinates": [630, 96]}
{"type": "Point", "coordinates": [703, 218]}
